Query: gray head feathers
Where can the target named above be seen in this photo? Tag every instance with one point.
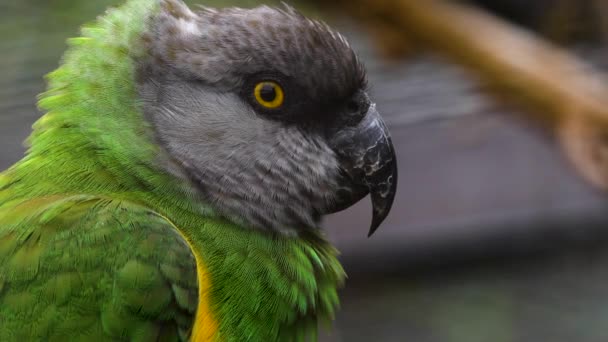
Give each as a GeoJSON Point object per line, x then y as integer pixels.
{"type": "Point", "coordinates": [222, 46]}
{"type": "Point", "coordinates": [270, 172]}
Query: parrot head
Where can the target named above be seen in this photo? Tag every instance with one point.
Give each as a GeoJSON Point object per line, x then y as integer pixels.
{"type": "Point", "coordinates": [266, 114]}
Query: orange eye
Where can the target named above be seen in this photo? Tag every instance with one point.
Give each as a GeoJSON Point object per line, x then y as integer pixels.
{"type": "Point", "coordinates": [269, 94]}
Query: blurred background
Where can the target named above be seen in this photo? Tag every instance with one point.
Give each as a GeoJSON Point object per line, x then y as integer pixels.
{"type": "Point", "coordinates": [496, 107]}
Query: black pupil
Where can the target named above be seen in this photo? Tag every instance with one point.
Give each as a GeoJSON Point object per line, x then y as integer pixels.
{"type": "Point", "coordinates": [268, 92]}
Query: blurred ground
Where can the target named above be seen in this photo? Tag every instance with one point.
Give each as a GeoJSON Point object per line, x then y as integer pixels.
{"type": "Point", "coordinates": [493, 237]}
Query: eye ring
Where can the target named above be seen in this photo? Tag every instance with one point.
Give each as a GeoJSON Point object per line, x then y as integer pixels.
{"type": "Point", "coordinates": [269, 94]}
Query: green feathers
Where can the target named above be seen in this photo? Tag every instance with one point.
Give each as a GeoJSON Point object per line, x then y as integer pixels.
{"type": "Point", "coordinates": [92, 138]}
{"type": "Point", "coordinates": [85, 268]}
{"type": "Point", "coordinates": [270, 288]}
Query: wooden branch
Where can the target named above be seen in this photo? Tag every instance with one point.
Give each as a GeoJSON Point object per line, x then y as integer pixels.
{"type": "Point", "coordinates": [512, 60]}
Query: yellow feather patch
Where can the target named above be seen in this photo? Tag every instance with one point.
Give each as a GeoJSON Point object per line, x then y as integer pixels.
{"type": "Point", "coordinates": [205, 325]}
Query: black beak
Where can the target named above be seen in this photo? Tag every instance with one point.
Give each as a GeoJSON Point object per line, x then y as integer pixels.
{"type": "Point", "coordinates": [368, 158]}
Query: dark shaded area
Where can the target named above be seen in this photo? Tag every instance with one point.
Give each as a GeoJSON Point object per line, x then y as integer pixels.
{"type": "Point", "coordinates": [561, 20]}
{"type": "Point", "coordinates": [493, 236]}
{"type": "Point", "coordinates": [522, 12]}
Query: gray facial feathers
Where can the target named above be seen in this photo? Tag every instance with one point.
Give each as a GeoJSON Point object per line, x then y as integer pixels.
{"type": "Point", "coordinates": [255, 171]}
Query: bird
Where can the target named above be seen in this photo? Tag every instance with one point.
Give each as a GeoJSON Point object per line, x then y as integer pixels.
{"type": "Point", "coordinates": [175, 185]}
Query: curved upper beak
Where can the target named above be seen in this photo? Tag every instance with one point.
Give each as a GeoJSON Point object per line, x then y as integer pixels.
{"type": "Point", "coordinates": [367, 156]}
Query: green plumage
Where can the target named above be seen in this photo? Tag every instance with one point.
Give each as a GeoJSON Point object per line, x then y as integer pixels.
{"type": "Point", "coordinates": [88, 243]}
{"type": "Point", "coordinates": [85, 268]}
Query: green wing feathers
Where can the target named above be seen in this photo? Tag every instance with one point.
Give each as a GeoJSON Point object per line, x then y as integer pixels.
{"type": "Point", "coordinates": [83, 268]}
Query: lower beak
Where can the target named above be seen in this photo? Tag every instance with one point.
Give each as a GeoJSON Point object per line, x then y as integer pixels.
{"type": "Point", "coordinates": [368, 158]}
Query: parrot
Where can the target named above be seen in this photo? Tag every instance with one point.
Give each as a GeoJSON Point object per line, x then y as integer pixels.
{"type": "Point", "coordinates": [174, 187]}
